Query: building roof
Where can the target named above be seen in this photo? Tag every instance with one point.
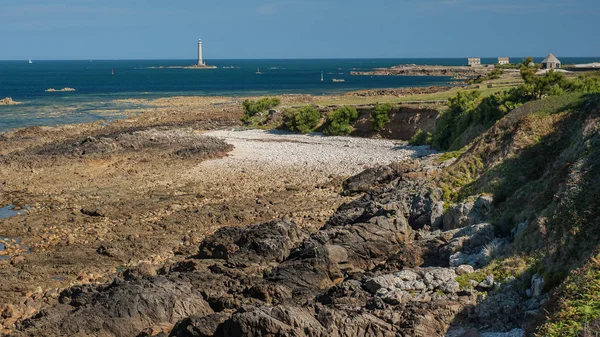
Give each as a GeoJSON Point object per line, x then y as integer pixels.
{"type": "Point", "coordinates": [503, 58]}
{"type": "Point", "coordinates": [551, 59]}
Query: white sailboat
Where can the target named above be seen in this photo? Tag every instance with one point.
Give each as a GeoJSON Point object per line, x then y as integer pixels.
{"type": "Point", "coordinates": [258, 71]}
{"type": "Point", "coordinates": [321, 76]}
{"type": "Point", "coordinates": [30, 61]}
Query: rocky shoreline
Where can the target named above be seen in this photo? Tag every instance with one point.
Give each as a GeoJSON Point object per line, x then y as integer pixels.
{"type": "Point", "coordinates": [380, 266]}
{"type": "Point", "coordinates": [415, 70]}
{"type": "Point", "coordinates": [399, 92]}
{"type": "Point", "coordinates": [143, 192]}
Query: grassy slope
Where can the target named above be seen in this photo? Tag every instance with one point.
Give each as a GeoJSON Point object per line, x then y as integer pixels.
{"type": "Point", "coordinates": [542, 164]}
{"type": "Point", "coordinates": [440, 96]}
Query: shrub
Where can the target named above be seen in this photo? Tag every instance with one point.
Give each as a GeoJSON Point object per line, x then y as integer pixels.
{"type": "Point", "coordinates": [253, 108]}
{"type": "Point", "coordinates": [338, 122]}
{"type": "Point", "coordinates": [380, 116]}
{"type": "Point", "coordinates": [420, 138]}
{"type": "Point", "coordinates": [303, 120]}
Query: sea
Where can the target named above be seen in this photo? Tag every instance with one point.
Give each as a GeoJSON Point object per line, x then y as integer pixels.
{"type": "Point", "coordinates": [100, 85]}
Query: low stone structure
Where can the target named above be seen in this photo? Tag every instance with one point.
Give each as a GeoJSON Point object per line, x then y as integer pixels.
{"type": "Point", "coordinates": [551, 62]}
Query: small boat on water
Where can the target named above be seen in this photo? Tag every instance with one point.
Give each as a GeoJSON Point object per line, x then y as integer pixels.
{"type": "Point", "coordinates": [336, 80]}
{"type": "Point", "coordinates": [321, 76]}
{"type": "Point", "coordinates": [30, 61]}
{"type": "Point", "coordinates": [258, 71]}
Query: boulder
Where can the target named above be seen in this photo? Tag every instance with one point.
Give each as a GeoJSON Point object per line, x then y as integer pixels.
{"type": "Point", "coordinates": [263, 243]}
{"type": "Point", "coordinates": [537, 285]}
{"type": "Point", "coordinates": [464, 269]}
{"type": "Point", "coordinates": [468, 213]}
{"type": "Point", "coordinates": [369, 179]}
{"type": "Point", "coordinates": [487, 284]}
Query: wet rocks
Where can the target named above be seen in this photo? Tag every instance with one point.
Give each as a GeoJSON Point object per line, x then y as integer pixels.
{"type": "Point", "coordinates": [173, 142]}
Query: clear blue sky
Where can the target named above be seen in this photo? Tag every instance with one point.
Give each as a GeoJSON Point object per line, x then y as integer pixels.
{"type": "Point", "coordinates": [161, 29]}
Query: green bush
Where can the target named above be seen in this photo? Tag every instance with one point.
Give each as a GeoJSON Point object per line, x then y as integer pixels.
{"type": "Point", "coordinates": [339, 122]}
{"type": "Point", "coordinates": [254, 108]}
{"type": "Point", "coordinates": [303, 120]}
{"type": "Point", "coordinates": [468, 115]}
{"type": "Point", "coordinates": [380, 116]}
{"type": "Point", "coordinates": [420, 138]}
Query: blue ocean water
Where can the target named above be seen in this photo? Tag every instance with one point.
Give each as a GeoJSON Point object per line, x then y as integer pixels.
{"type": "Point", "coordinates": [97, 87]}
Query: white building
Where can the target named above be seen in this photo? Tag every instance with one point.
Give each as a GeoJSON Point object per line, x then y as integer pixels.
{"type": "Point", "coordinates": [503, 60]}
{"type": "Point", "coordinates": [474, 61]}
{"type": "Point", "coordinates": [200, 59]}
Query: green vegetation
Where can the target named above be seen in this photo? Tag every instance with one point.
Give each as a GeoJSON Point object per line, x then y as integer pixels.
{"type": "Point", "coordinates": [339, 121]}
{"type": "Point", "coordinates": [254, 110]}
{"type": "Point", "coordinates": [380, 116]}
{"type": "Point", "coordinates": [541, 162]}
{"type": "Point", "coordinates": [501, 269]}
{"type": "Point", "coordinates": [469, 114]}
{"type": "Point", "coordinates": [438, 96]}
{"type": "Point", "coordinates": [420, 138]}
{"type": "Point", "coordinates": [303, 120]}
{"type": "Point", "coordinates": [579, 304]}
{"type": "Point", "coordinates": [492, 75]}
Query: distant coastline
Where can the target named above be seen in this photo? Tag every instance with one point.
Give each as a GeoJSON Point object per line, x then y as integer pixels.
{"type": "Point", "coordinates": [183, 67]}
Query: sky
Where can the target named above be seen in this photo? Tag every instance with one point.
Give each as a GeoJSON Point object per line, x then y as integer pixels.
{"type": "Point", "coordinates": [248, 29]}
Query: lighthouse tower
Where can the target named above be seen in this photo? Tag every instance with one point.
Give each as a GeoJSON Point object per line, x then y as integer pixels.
{"type": "Point", "coordinates": [200, 60]}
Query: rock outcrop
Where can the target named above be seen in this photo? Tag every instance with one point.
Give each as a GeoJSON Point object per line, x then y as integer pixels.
{"type": "Point", "coordinates": [8, 101]}
{"type": "Point", "coordinates": [372, 270]}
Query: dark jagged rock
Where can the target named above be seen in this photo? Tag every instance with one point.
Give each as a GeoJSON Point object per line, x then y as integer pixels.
{"type": "Point", "coordinates": [359, 275]}
{"type": "Point", "coordinates": [199, 326]}
{"type": "Point", "coordinates": [121, 308]}
{"type": "Point", "coordinates": [369, 179]}
{"type": "Point", "coordinates": [269, 242]}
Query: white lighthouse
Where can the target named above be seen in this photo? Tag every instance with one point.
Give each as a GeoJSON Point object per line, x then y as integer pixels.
{"type": "Point", "coordinates": [200, 60]}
